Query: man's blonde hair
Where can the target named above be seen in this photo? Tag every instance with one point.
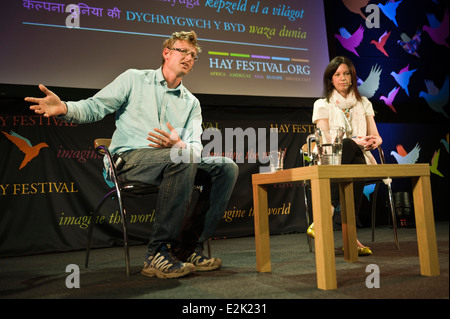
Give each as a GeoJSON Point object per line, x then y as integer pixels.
{"type": "Point", "coordinates": [189, 36]}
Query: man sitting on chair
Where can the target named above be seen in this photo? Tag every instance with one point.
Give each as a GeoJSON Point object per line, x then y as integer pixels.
{"type": "Point", "coordinates": [157, 119]}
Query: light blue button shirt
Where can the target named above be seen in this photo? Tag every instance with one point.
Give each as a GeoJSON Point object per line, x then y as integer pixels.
{"type": "Point", "coordinates": [142, 101]}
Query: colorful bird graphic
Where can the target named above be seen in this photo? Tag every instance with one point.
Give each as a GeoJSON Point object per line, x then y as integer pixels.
{"type": "Point", "coordinates": [438, 31]}
{"type": "Point", "coordinates": [403, 77]}
{"type": "Point", "coordinates": [371, 84]}
{"type": "Point", "coordinates": [350, 41]}
{"type": "Point", "coordinates": [369, 189]}
{"type": "Point", "coordinates": [390, 10]}
{"type": "Point", "coordinates": [402, 157]}
{"type": "Point", "coordinates": [434, 164]}
{"type": "Point", "coordinates": [25, 146]}
{"type": "Point", "coordinates": [410, 45]}
{"type": "Point", "coordinates": [445, 143]}
{"type": "Point", "coordinates": [355, 6]}
{"type": "Point", "coordinates": [381, 42]}
{"type": "Point", "coordinates": [436, 99]}
{"type": "Point", "coordinates": [390, 99]}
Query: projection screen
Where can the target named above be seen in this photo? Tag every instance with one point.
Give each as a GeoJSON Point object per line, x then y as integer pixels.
{"type": "Point", "coordinates": [249, 47]}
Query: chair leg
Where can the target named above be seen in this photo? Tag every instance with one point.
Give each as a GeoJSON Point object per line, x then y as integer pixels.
{"type": "Point", "coordinates": [209, 247]}
{"type": "Point", "coordinates": [305, 197]}
{"type": "Point", "coordinates": [125, 234]}
{"type": "Point", "coordinates": [91, 227]}
{"type": "Point", "coordinates": [308, 219]}
{"type": "Point", "coordinates": [125, 246]}
{"type": "Point", "coordinates": [374, 209]}
{"type": "Point", "coordinates": [394, 217]}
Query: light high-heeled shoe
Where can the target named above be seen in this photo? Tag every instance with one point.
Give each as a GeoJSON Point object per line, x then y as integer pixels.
{"type": "Point", "coordinates": [310, 230]}
{"type": "Point", "coordinates": [364, 251]}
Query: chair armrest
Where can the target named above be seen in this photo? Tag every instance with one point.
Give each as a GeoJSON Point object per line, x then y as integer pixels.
{"type": "Point", "coordinates": [104, 150]}
{"type": "Point", "coordinates": [381, 153]}
{"type": "Point", "coordinates": [386, 181]}
{"type": "Point", "coordinates": [102, 142]}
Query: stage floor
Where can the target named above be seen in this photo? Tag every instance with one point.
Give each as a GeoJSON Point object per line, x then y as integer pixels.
{"type": "Point", "coordinates": [293, 273]}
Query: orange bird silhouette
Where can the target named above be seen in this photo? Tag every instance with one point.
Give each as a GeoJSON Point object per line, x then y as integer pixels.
{"type": "Point", "coordinates": [25, 146]}
{"type": "Point", "coordinates": [401, 150]}
{"type": "Point", "coordinates": [355, 6]}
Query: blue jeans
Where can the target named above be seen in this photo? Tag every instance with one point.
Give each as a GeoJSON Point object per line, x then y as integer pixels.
{"type": "Point", "coordinates": [176, 182]}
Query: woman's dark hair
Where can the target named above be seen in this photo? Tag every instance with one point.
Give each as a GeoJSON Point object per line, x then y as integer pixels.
{"type": "Point", "coordinates": [331, 70]}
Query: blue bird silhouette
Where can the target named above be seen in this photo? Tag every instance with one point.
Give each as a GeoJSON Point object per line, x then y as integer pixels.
{"type": "Point", "coordinates": [403, 76]}
{"type": "Point", "coordinates": [368, 189]}
{"type": "Point", "coordinates": [436, 99]}
{"type": "Point", "coordinates": [390, 10]}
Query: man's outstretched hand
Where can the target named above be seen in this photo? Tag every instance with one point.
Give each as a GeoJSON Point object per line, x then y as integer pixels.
{"type": "Point", "coordinates": [50, 105]}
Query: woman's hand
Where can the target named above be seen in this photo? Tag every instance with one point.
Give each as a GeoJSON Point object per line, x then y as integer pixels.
{"type": "Point", "coordinates": [369, 142]}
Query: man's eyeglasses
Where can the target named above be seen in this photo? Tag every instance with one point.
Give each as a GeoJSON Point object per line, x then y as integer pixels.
{"type": "Point", "coordinates": [186, 52]}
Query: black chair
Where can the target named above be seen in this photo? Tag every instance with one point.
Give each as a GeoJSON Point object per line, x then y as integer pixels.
{"type": "Point", "coordinates": [309, 158]}
{"type": "Point", "coordinates": [121, 189]}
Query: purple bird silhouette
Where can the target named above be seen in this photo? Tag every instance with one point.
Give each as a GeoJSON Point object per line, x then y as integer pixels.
{"type": "Point", "coordinates": [350, 41]}
{"type": "Point", "coordinates": [438, 31]}
{"type": "Point", "coordinates": [403, 77]}
{"type": "Point", "coordinates": [390, 99]}
{"type": "Point", "coordinates": [390, 10]}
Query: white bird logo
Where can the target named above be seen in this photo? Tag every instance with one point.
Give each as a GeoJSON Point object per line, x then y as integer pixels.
{"type": "Point", "coordinates": [372, 83]}
{"type": "Point", "coordinates": [402, 157]}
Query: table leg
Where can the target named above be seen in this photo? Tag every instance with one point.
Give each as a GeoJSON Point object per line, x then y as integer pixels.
{"type": "Point", "coordinates": [425, 228]}
{"type": "Point", "coordinates": [262, 235]}
{"type": "Point", "coordinates": [348, 221]}
{"type": "Point", "coordinates": [323, 229]}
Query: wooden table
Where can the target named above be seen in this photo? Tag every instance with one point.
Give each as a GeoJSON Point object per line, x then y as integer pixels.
{"type": "Point", "coordinates": [320, 177]}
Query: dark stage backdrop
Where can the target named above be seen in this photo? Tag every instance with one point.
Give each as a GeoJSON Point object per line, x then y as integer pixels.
{"type": "Point", "coordinates": [47, 196]}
